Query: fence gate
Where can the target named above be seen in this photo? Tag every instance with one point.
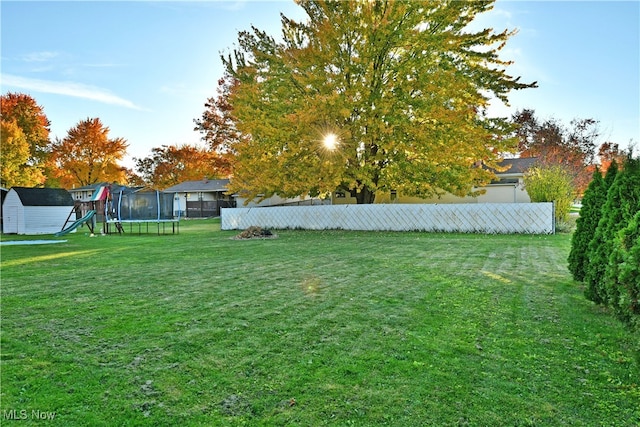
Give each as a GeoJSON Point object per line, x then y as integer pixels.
{"type": "Point", "coordinates": [202, 209]}
{"type": "Point", "coordinates": [206, 209]}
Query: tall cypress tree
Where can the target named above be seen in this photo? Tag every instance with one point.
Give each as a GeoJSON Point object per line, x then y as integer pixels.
{"type": "Point", "coordinates": [595, 261]}
{"type": "Point", "coordinates": [625, 192]}
{"type": "Point", "coordinates": [590, 214]}
{"type": "Point", "coordinates": [627, 249]}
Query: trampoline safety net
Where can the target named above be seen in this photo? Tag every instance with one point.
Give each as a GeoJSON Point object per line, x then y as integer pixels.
{"type": "Point", "coordinates": [142, 206]}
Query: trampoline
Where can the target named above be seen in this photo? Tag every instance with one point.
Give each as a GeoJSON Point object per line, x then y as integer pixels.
{"type": "Point", "coordinates": [120, 226]}
{"type": "Point", "coordinates": [143, 208]}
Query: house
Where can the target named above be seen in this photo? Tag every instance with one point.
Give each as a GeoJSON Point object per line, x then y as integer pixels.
{"type": "Point", "coordinates": [509, 185]}
{"type": "Point", "coordinates": [98, 191]}
{"type": "Point", "coordinates": [200, 199]}
{"type": "Point", "coordinates": [205, 197]}
{"type": "Point", "coordinates": [86, 192]}
{"type": "Point", "coordinates": [36, 210]}
{"type": "Point", "coordinates": [507, 188]}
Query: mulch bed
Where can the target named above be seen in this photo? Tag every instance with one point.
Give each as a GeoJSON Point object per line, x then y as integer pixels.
{"type": "Point", "coordinates": [255, 232]}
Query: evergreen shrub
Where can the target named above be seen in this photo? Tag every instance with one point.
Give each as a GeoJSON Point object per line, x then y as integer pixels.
{"type": "Point", "coordinates": [611, 264]}
{"type": "Point", "coordinates": [586, 225]}
{"type": "Point", "coordinates": [595, 259]}
{"type": "Point", "coordinates": [627, 254]}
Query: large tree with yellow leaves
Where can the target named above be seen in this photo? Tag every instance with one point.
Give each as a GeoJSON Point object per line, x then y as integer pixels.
{"type": "Point", "coordinates": [398, 89]}
{"type": "Point", "coordinates": [24, 141]}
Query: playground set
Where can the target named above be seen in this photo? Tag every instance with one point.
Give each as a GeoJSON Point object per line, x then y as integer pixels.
{"type": "Point", "coordinates": [115, 209]}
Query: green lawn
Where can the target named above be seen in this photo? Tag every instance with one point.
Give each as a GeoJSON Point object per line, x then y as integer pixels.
{"type": "Point", "coordinates": [312, 328]}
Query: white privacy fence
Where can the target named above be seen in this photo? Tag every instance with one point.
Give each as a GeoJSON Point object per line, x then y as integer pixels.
{"type": "Point", "coordinates": [490, 218]}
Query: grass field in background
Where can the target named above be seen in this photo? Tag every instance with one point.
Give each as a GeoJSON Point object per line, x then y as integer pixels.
{"type": "Point", "coordinates": [315, 328]}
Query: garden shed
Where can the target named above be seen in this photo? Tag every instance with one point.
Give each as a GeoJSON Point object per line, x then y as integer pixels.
{"type": "Point", "coordinates": [35, 210]}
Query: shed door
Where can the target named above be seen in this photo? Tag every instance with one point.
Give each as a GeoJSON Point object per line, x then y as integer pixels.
{"type": "Point", "coordinates": [10, 220]}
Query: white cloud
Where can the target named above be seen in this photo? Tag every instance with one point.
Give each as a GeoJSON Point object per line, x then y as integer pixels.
{"type": "Point", "coordinates": [176, 89]}
{"type": "Point", "coordinates": [102, 65]}
{"type": "Point", "coordinates": [77, 90]}
{"type": "Point", "coordinates": [39, 56]}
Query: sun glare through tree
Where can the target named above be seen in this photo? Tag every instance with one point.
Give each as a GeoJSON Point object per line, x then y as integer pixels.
{"type": "Point", "coordinates": [330, 141]}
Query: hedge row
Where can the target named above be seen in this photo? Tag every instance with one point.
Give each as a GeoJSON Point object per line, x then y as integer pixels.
{"type": "Point", "coordinates": [605, 248]}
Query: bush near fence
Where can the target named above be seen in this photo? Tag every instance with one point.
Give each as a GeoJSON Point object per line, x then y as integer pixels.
{"type": "Point", "coordinates": [489, 218]}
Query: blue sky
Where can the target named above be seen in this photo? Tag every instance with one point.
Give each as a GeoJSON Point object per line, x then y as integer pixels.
{"type": "Point", "coordinates": [147, 68]}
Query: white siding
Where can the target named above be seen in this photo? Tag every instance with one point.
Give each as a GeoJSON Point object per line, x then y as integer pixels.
{"type": "Point", "coordinates": [494, 193]}
{"type": "Point", "coordinates": [45, 219]}
{"type": "Point", "coordinates": [504, 193]}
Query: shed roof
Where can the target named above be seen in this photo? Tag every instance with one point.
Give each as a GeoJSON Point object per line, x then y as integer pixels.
{"type": "Point", "coordinates": [43, 196]}
{"type": "Point", "coordinates": [203, 185]}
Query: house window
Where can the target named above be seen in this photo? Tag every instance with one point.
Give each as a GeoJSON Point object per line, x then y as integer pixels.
{"type": "Point", "coordinates": [394, 195]}
{"type": "Point", "coordinates": [339, 195]}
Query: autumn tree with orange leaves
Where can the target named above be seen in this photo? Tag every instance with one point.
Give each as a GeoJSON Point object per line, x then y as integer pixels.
{"type": "Point", "coordinates": [610, 152]}
{"type": "Point", "coordinates": [573, 148]}
{"type": "Point", "coordinates": [88, 156]}
{"type": "Point", "coordinates": [171, 165]}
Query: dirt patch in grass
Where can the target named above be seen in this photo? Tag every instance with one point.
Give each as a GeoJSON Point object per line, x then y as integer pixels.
{"type": "Point", "coordinates": [235, 405]}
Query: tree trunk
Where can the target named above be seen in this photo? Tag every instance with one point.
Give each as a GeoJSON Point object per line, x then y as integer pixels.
{"type": "Point", "coordinates": [365, 196]}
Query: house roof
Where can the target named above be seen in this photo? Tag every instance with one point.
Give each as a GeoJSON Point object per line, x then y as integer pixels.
{"type": "Point", "coordinates": [517, 165]}
{"type": "Point", "coordinates": [90, 186]}
{"type": "Point", "coordinates": [44, 196]}
{"type": "Point", "coordinates": [203, 185]}
{"type": "Point", "coordinates": [96, 186]}
{"type": "Point", "coordinates": [113, 188]}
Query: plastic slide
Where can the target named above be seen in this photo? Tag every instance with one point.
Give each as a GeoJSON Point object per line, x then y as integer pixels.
{"type": "Point", "coordinates": [76, 224]}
